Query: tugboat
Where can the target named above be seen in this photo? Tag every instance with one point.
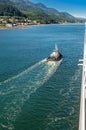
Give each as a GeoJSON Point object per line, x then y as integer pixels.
{"type": "Point", "coordinates": [55, 55]}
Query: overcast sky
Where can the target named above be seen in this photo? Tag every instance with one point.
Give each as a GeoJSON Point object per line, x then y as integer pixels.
{"type": "Point", "coordinates": [74, 7]}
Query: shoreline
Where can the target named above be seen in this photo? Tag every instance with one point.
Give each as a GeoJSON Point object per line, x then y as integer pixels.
{"type": "Point", "coordinates": [21, 26]}
{"type": "Point", "coordinates": [15, 27]}
{"type": "Point", "coordinates": [26, 26]}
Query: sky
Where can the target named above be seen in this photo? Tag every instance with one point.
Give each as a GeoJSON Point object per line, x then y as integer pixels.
{"type": "Point", "coordinates": [75, 7]}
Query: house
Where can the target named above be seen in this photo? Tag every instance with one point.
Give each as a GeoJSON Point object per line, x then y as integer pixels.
{"type": "Point", "coordinates": [9, 25]}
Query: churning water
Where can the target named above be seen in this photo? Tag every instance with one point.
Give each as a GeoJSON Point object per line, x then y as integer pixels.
{"type": "Point", "coordinates": [35, 94]}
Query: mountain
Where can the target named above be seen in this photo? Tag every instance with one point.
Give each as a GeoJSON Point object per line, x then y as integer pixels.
{"type": "Point", "coordinates": [4, 1]}
{"type": "Point", "coordinates": [25, 4]}
{"type": "Point", "coordinates": [9, 10]}
{"type": "Point", "coordinates": [40, 12]}
{"type": "Point", "coordinates": [46, 9]}
{"type": "Point", "coordinates": [67, 15]}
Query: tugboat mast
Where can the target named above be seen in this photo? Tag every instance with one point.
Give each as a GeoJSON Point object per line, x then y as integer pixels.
{"type": "Point", "coordinates": [56, 48]}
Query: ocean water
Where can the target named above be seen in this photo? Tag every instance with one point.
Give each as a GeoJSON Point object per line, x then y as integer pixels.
{"type": "Point", "coordinates": [35, 95]}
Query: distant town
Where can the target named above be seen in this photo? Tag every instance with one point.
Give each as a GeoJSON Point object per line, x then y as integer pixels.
{"type": "Point", "coordinates": [16, 22]}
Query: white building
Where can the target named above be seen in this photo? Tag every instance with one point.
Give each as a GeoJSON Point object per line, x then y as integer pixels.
{"type": "Point", "coordinates": [9, 25]}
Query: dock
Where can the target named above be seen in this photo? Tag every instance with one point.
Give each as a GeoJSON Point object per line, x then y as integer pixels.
{"type": "Point", "coordinates": [82, 116]}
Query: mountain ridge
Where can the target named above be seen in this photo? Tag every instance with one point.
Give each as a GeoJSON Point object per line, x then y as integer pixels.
{"type": "Point", "coordinates": [41, 12]}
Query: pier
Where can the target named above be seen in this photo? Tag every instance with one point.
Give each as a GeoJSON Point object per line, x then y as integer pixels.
{"type": "Point", "coordinates": [82, 116]}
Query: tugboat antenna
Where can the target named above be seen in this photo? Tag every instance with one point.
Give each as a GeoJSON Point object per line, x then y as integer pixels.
{"type": "Point", "coordinates": [56, 48]}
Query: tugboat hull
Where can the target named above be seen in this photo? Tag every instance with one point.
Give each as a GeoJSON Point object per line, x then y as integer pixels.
{"type": "Point", "coordinates": [55, 59]}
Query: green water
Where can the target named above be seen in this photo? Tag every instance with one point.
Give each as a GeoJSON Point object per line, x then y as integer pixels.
{"type": "Point", "coordinates": [35, 95]}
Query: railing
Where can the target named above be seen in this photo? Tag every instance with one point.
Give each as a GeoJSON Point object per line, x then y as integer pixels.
{"type": "Point", "coordinates": [82, 122]}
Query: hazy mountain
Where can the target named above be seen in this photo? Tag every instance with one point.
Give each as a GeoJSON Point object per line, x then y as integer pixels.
{"type": "Point", "coordinates": [67, 15]}
{"type": "Point", "coordinates": [46, 9]}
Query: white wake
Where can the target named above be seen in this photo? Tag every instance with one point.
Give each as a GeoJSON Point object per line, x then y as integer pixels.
{"type": "Point", "coordinates": [20, 87]}
{"type": "Point", "coordinates": [24, 72]}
